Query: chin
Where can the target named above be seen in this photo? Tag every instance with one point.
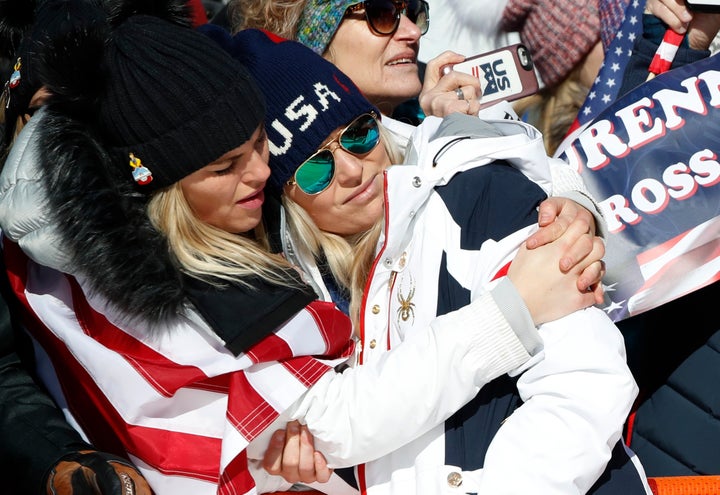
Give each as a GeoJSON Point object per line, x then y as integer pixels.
{"type": "Point", "coordinates": [404, 91]}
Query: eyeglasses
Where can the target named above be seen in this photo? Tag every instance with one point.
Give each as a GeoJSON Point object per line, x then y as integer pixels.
{"type": "Point", "coordinates": [316, 173]}
{"type": "Point", "coordinates": [383, 16]}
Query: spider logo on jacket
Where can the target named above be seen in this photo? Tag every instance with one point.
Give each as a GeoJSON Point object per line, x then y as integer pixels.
{"type": "Point", "coordinates": [407, 307]}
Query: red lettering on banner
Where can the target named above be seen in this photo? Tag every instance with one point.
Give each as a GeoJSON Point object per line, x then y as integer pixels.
{"type": "Point", "coordinates": [640, 127]}
{"type": "Point", "coordinates": [599, 142]}
{"type": "Point", "coordinates": [704, 164]}
{"type": "Point", "coordinates": [678, 181]}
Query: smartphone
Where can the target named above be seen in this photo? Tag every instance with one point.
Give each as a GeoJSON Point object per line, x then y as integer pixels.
{"type": "Point", "coordinates": [704, 5]}
{"type": "Point", "coordinates": [505, 74]}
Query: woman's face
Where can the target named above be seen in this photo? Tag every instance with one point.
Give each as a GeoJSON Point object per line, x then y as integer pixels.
{"type": "Point", "coordinates": [384, 67]}
{"type": "Point", "coordinates": [228, 193]}
{"type": "Point", "coordinates": [354, 200]}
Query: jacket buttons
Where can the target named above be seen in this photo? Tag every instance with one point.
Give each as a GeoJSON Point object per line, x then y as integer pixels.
{"type": "Point", "coordinates": [375, 309]}
{"type": "Point", "coordinates": [403, 260]}
{"type": "Point", "coordinates": [417, 182]}
{"type": "Point", "coordinates": [454, 479]}
{"type": "Point", "coordinates": [373, 343]}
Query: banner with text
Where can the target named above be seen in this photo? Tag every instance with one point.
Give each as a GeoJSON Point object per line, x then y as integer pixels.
{"type": "Point", "coordinates": [651, 160]}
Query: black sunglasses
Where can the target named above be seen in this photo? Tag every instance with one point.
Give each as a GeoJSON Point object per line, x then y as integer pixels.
{"type": "Point", "coordinates": [383, 16]}
{"type": "Point", "coordinates": [359, 137]}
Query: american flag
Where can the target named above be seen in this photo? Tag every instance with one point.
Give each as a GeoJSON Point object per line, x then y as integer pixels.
{"type": "Point", "coordinates": [607, 84]}
{"type": "Point", "coordinates": [620, 25]}
{"type": "Point", "coordinates": [179, 405]}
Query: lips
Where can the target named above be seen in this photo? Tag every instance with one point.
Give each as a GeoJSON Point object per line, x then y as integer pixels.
{"type": "Point", "coordinates": [364, 191]}
{"type": "Point", "coordinates": [404, 58]}
{"type": "Point", "coordinates": [253, 201]}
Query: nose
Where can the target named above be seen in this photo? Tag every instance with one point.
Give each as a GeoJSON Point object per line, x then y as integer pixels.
{"type": "Point", "coordinates": [348, 168]}
{"type": "Point", "coordinates": [407, 29]}
{"type": "Point", "coordinates": [257, 170]}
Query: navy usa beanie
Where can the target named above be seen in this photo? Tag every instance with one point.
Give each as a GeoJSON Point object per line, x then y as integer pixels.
{"type": "Point", "coordinates": [307, 97]}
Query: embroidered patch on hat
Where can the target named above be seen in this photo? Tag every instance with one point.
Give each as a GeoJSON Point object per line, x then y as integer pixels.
{"type": "Point", "coordinates": [140, 173]}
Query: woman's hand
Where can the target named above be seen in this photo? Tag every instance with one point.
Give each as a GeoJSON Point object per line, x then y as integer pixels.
{"type": "Point", "coordinates": [439, 95]}
{"type": "Point", "coordinates": [292, 455]}
{"type": "Point", "coordinates": [550, 293]}
{"type": "Point", "coordinates": [674, 13]}
{"type": "Point", "coordinates": [701, 27]}
{"type": "Point", "coordinates": [573, 227]}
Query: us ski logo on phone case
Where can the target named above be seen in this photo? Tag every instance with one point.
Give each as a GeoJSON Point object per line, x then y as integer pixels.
{"type": "Point", "coordinates": [495, 76]}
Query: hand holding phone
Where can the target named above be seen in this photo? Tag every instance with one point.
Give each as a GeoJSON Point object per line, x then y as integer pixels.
{"type": "Point", "coordinates": [505, 74]}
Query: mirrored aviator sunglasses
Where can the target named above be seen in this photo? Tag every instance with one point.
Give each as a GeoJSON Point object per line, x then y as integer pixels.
{"type": "Point", "coordinates": [383, 16]}
{"type": "Point", "coordinates": [316, 173]}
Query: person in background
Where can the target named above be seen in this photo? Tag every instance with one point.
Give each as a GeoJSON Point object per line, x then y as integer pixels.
{"type": "Point", "coordinates": [469, 28]}
{"type": "Point", "coordinates": [376, 44]}
{"type": "Point", "coordinates": [40, 452]}
{"type": "Point", "coordinates": [700, 29]}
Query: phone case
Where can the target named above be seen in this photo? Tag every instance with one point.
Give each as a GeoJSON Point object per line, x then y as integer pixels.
{"type": "Point", "coordinates": [505, 74]}
{"type": "Point", "coordinates": [704, 5]}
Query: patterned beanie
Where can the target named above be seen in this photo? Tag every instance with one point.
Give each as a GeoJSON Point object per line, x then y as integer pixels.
{"type": "Point", "coordinates": [307, 97]}
{"type": "Point", "coordinates": [559, 34]}
{"type": "Point", "coordinates": [173, 103]}
{"type": "Point", "coordinates": [319, 21]}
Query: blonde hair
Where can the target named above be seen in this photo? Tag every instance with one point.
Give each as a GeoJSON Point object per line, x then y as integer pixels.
{"type": "Point", "coordinates": [277, 16]}
{"type": "Point", "coordinates": [211, 254]}
{"type": "Point", "coordinates": [553, 110]}
{"type": "Point", "coordinates": [349, 258]}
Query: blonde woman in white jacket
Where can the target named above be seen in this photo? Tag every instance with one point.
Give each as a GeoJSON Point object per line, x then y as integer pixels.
{"type": "Point", "coordinates": [404, 244]}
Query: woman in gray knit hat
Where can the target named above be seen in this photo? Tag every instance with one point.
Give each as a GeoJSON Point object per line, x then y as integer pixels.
{"type": "Point", "coordinates": [397, 246]}
{"type": "Point", "coordinates": [375, 43]}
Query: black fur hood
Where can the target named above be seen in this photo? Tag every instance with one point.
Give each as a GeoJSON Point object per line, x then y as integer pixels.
{"type": "Point", "coordinates": [61, 204]}
{"type": "Point", "coordinates": [95, 222]}
{"type": "Point", "coordinates": [101, 221]}
{"type": "Point", "coordinates": [91, 219]}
